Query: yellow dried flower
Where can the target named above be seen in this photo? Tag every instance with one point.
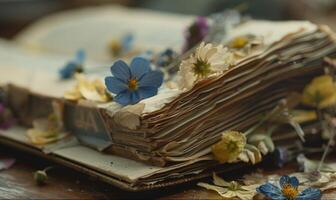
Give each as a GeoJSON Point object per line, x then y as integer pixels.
{"type": "Point", "coordinates": [231, 145]}
{"type": "Point", "coordinates": [86, 89]}
{"type": "Point", "coordinates": [115, 47]}
{"type": "Point", "coordinates": [239, 42]}
{"type": "Point", "coordinates": [320, 92]}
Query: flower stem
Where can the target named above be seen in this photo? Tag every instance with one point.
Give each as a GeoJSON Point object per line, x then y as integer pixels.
{"type": "Point", "coordinates": [48, 168]}
{"type": "Point", "coordinates": [325, 153]}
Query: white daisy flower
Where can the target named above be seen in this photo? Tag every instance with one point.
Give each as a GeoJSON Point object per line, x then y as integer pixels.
{"type": "Point", "coordinates": [206, 61]}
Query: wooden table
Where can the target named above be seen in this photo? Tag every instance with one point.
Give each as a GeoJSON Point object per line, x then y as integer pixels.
{"type": "Point", "coordinates": [17, 183]}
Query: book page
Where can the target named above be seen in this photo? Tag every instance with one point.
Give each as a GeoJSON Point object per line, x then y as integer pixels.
{"type": "Point", "coordinates": [93, 29]}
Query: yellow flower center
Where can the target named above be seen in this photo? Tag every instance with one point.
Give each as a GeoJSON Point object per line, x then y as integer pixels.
{"type": "Point", "coordinates": [115, 47]}
{"type": "Point", "coordinates": [132, 84]}
{"type": "Point", "coordinates": [202, 68]}
{"type": "Point", "coordinates": [239, 42]}
{"type": "Point", "coordinates": [289, 191]}
{"type": "Point", "coordinates": [232, 146]}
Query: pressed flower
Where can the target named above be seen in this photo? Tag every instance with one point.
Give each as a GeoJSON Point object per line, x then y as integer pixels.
{"type": "Point", "coordinates": [6, 117]}
{"type": "Point", "coordinates": [86, 89]}
{"type": "Point", "coordinates": [231, 189]}
{"type": "Point", "coordinates": [239, 42]}
{"type": "Point", "coordinates": [41, 176]}
{"type": "Point", "coordinates": [207, 60]}
{"type": "Point", "coordinates": [122, 46]}
{"type": "Point", "coordinates": [320, 92]}
{"type": "Point", "coordinates": [166, 57]}
{"type": "Point", "coordinates": [245, 41]}
{"type": "Point", "coordinates": [73, 66]}
{"type": "Point", "coordinates": [228, 149]}
{"type": "Point", "coordinates": [133, 83]}
{"type": "Point", "coordinates": [48, 130]}
{"type": "Point", "coordinates": [288, 190]}
{"type": "Point", "coordinates": [196, 33]}
{"type": "Point", "coordinates": [45, 131]}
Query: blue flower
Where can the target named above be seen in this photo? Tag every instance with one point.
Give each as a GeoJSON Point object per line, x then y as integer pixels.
{"type": "Point", "coordinates": [288, 190]}
{"type": "Point", "coordinates": [73, 66]}
{"type": "Point", "coordinates": [127, 42]}
{"type": "Point", "coordinates": [166, 58]}
{"type": "Point", "coordinates": [134, 83]}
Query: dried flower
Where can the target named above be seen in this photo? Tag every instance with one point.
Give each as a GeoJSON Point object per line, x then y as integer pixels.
{"type": "Point", "coordinates": [230, 189]}
{"type": "Point", "coordinates": [85, 89]}
{"type": "Point", "coordinates": [40, 177]}
{"type": "Point", "coordinates": [166, 57]}
{"type": "Point", "coordinates": [207, 60]}
{"type": "Point", "coordinates": [195, 33]}
{"type": "Point", "coordinates": [48, 130]}
{"type": "Point", "coordinates": [288, 190]}
{"type": "Point", "coordinates": [320, 92]}
{"type": "Point", "coordinates": [134, 83]}
{"type": "Point", "coordinates": [122, 46]}
{"type": "Point", "coordinates": [228, 149]}
{"type": "Point", "coordinates": [73, 66]}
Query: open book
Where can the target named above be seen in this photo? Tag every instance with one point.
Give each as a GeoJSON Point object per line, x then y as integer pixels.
{"type": "Point", "coordinates": [165, 139]}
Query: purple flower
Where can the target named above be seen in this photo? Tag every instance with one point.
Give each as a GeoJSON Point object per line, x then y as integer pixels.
{"type": "Point", "coordinates": [134, 83]}
{"type": "Point", "coordinates": [288, 190]}
{"type": "Point", "coordinates": [196, 33]}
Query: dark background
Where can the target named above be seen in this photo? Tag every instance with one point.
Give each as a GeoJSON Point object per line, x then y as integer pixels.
{"type": "Point", "coordinates": [17, 14]}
